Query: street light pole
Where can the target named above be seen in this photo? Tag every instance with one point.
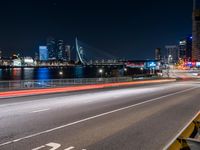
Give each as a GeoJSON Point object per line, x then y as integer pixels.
{"type": "Point", "coordinates": [101, 72]}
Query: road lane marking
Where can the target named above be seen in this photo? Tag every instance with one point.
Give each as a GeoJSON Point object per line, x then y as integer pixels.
{"type": "Point", "coordinates": [41, 110]}
{"type": "Point", "coordinates": [38, 148]}
{"type": "Point", "coordinates": [53, 146]}
{"type": "Point", "coordinates": [69, 148]}
{"type": "Point", "coordinates": [96, 116]}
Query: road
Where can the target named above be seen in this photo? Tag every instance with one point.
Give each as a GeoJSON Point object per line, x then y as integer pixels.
{"type": "Point", "coordinates": [176, 73]}
{"type": "Point", "coordinates": [145, 117]}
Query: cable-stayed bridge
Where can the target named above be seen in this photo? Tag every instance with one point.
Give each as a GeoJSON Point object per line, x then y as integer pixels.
{"type": "Point", "coordinates": [89, 55]}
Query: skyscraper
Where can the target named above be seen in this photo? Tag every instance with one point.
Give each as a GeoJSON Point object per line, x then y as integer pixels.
{"type": "Point", "coordinates": [196, 31]}
{"type": "Point", "coordinates": [43, 53]}
{"type": "Point", "coordinates": [60, 49]}
{"type": "Point", "coordinates": [185, 48]}
{"type": "Point", "coordinates": [52, 50]}
{"type": "Point", "coordinates": [36, 56]}
{"type": "Point", "coordinates": [67, 55]}
{"type": "Point", "coordinates": [157, 54]}
{"type": "Point", "coordinates": [172, 53]}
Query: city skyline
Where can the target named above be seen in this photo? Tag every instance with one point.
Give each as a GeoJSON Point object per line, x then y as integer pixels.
{"type": "Point", "coordinates": [100, 75]}
{"type": "Point", "coordinates": [110, 26]}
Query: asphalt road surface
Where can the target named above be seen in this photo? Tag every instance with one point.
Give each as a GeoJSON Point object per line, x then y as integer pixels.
{"type": "Point", "coordinates": [143, 117]}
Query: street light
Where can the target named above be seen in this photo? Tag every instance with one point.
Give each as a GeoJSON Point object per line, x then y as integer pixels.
{"type": "Point", "coordinates": [142, 70]}
{"type": "Point", "coordinates": [125, 69]}
{"type": "Point", "coordinates": [60, 73]}
{"type": "Point", "coordinates": [101, 72]}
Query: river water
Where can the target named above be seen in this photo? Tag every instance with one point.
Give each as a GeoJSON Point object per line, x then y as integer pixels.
{"type": "Point", "coordinates": [58, 73]}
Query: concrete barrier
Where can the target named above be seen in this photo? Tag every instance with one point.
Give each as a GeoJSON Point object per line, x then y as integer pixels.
{"type": "Point", "coordinates": [188, 138]}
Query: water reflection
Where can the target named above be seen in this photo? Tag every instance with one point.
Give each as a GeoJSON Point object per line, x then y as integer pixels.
{"type": "Point", "coordinates": [43, 73]}
{"type": "Point", "coordinates": [50, 73]}
{"type": "Point", "coordinates": [79, 72]}
{"type": "Point", "coordinates": [1, 73]}
{"type": "Point", "coordinates": [16, 73]}
{"type": "Point", "coordinates": [28, 73]}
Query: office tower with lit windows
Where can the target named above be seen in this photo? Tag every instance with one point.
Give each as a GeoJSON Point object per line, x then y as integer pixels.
{"type": "Point", "coordinates": [43, 53]}
{"type": "Point", "coordinates": [185, 48]}
{"type": "Point", "coordinates": [52, 48]}
{"type": "Point", "coordinates": [196, 31]}
{"type": "Point", "coordinates": [172, 53]}
{"type": "Point", "coordinates": [60, 49]}
{"type": "Point", "coordinates": [67, 53]}
{"type": "Point", "coordinates": [158, 54]}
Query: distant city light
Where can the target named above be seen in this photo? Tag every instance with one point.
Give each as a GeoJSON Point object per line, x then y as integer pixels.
{"type": "Point", "coordinates": [182, 42]}
{"type": "Point", "coordinates": [17, 62]}
{"type": "Point", "coordinates": [198, 64]}
{"type": "Point", "coordinates": [28, 60]}
{"type": "Point", "coordinates": [152, 64]}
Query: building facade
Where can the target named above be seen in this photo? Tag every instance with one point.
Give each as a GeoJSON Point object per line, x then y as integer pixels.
{"type": "Point", "coordinates": [67, 53]}
{"type": "Point", "coordinates": [196, 31]}
{"type": "Point", "coordinates": [158, 54]}
{"type": "Point", "coordinates": [60, 50]}
{"type": "Point", "coordinates": [52, 48]}
{"type": "Point", "coordinates": [172, 54]}
{"type": "Point", "coordinates": [185, 48]}
{"type": "Point", "coordinates": [43, 53]}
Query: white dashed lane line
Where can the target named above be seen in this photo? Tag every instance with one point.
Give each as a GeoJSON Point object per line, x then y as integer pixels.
{"type": "Point", "coordinates": [70, 148]}
{"type": "Point", "coordinates": [41, 110]}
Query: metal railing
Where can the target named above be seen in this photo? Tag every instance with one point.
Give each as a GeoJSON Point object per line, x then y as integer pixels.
{"type": "Point", "coordinates": [32, 84]}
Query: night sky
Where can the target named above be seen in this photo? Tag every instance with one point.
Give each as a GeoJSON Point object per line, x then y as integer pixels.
{"type": "Point", "coordinates": [129, 29]}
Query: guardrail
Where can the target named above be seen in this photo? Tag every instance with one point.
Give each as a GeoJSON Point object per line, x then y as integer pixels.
{"type": "Point", "coordinates": [31, 84]}
{"type": "Point", "coordinates": [189, 137]}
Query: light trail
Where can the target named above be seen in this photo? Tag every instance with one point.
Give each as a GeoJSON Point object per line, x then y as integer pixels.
{"type": "Point", "coordinates": [9, 94]}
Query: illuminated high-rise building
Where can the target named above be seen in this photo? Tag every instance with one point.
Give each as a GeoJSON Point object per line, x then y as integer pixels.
{"type": "Point", "coordinates": [172, 53]}
{"type": "Point", "coordinates": [52, 48]}
{"type": "Point", "coordinates": [60, 49]}
{"type": "Point", "coordinates": [43, 53]}
{"type": "Point", "coordinates": [36, 56]}
{"type": "Point", "coordinates": [196, 31]}
{"type": "Point", "coordinates": [158, 54]}
{"type": "Point", "coordinates": [185, 48]}
{"type": "Point", "coordinates": [67, 53]}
